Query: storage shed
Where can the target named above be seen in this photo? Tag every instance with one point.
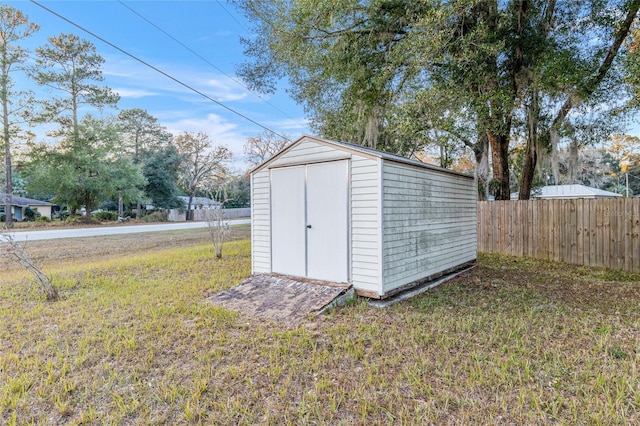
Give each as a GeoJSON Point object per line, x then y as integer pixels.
{"type": "Point", "coordinates": [345, 213]}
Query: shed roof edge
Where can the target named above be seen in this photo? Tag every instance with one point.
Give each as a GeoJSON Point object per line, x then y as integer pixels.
{"type": "Point", "coordinates": [361, 150]}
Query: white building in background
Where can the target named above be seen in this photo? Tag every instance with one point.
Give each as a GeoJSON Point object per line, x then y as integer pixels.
{"type": "Point", "coordinates": [558, 192]}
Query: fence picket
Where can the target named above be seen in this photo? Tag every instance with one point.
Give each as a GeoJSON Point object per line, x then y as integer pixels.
{"type": "Point", "coordinates": [604, 232]}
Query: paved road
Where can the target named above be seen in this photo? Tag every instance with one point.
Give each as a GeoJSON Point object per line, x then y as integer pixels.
{"type": "Point", "coordinates": [51, 234]}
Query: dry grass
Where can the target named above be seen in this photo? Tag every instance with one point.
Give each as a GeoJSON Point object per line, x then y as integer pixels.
{"type": "Point", "coordinates": [511, 342]}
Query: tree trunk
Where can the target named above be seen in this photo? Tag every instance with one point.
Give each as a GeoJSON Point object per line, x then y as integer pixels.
{"type": "Point", "coordinates": [500, 159]}
{"type": "Point", "coordinates": [87, 207]}
{"type": "Point", "coordinates": [573, 162]}
{"type": "Point", "coordinates": [189, 216]}
{"type": "Point", "coordinates": [528, 170]}
{"type": "Point", "coordinates": [554, 138]}
{"type": "Point", "coordinates": [531, 150]}
{"type": "Point", "coordinates": [120, 206]}
{"type": "Point", "coordinates": [481, 153]}
{"type": "Point", "coordinates": [7, 145]}
{"type": "Point", "coordinates": [9, 187]}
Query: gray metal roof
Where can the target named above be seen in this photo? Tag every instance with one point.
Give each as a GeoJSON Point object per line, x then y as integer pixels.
{"type": "Point", "coordinates": [24, 202]}
{"type": "Point", "coordinates": [203, 201]}
{"type": "Point", "coordinates": [573, 191]}
{"type": "Point", "coordinates": [362, 150]}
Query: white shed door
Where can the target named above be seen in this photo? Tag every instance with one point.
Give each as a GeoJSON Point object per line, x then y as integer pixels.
{"type": "Point", "coordinates": [309, 213]}
{"type": "Point", "coordinates": [288, 221]}
{"type": "Point", "coordinates": [327, 214]}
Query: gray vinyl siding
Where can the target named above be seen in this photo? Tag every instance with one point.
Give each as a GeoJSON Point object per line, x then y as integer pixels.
{"type": "Point", "coordinates": [365, 224]}
{"type": "Point", "coordinates": [429, 223]}
{"type": "Point", "coordinates": [260, 222]}
{"type": "Point", "coordinates": [309, 152]}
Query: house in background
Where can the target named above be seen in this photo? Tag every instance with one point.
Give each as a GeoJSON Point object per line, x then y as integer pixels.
{"type": "Point", "coordinates": [198, 203]}
{"type": "Point", "coordinates": [559, 192]}
{"type": "Point", "coordinates": [19, 206]}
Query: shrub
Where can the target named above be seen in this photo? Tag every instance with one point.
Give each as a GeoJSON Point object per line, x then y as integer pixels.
{"type": "Point", "coordinates": [105, 216]}
{"type": "Point", "coordinates": [43, 219]}
{"type": "Point", "coordinates": [30, 215]}
{"type": "Point", "coordinates": [110, 206]}
{"type": "Point", "coordinates": [155, 217]}
{"type": "Point", "coordinates": [61, 214]}
{"type": "Point", "coordinates": [73, 220]}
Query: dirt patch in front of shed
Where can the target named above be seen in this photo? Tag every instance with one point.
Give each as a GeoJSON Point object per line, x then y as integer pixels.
{"type": "Point", "coordinates": [281, 298]}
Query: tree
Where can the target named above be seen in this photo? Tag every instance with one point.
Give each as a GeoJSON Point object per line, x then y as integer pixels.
{"type": "Point", "coordinates": [14, 27]}
{"type": "Point", "coordinates": [83, 170]}
{"type": "Point", "coordinates": [260, 148]}
{"type": "Point", "coordinates": [14, 252]}
{"type": "Point", "coordinates": [359, 67]}
{"type": "Point", "coordinates": [217, 226]}
{"type": "Point", "coordinates": [141, 131]}
{"type": "Point", "coordinates": [140, 135]}
{"type": "Point", "coordinates": [237, 190]}
{"type": "Point", "coordinates": [633, 172]}
{"type": "Point", "coordinates": [161, 167]}
{"type": "Point", "coordinates": [625, 149]}
{"type": "Point", "coordinates": [70, 65]}
{"type": "Point", "coordinates": [203, 162]}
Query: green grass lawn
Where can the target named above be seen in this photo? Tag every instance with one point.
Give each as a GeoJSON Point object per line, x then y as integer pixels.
{"type": "Point", "coordinates": [134, 342]}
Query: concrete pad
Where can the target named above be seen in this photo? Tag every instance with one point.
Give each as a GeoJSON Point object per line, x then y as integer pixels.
{"type": "Point", "coordinates": [281, 298]}
{"type": "Point", "coordinates": [414, 291]}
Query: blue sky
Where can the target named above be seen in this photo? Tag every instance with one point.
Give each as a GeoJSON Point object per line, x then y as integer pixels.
{"type": "Point", "coordinates": [210, 28]}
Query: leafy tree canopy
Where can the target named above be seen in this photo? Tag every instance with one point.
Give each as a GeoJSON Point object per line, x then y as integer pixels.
{"type": "Point", "coordinates": [84, 171]}
{"type": "Point", "coordinates": [388, 73]}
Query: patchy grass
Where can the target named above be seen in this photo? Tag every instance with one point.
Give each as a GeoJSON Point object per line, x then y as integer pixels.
{"type": "Point", "coordinates": [511, 342]}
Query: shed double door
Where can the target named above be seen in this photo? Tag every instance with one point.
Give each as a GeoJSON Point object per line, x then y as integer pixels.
{"type": "Point", "coordinates": [309, 229]}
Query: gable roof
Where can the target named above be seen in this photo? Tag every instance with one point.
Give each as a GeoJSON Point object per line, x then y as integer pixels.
{"type": "Point", "coordinates": [26, 202]}
{"type": "Point", "coordinates": [358, 149]}
{"type": "Point", "coordinates": [573, 191]}
{"type": "Point", "coordinates": [202, 201]}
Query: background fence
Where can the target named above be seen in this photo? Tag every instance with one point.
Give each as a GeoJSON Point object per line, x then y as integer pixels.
{"type": "Point", "coordinates": [603, 232]}
{"type": "Point", "coordinates": [176, 215]}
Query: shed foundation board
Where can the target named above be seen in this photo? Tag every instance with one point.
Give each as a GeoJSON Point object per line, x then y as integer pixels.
{"type": "Point", "coordinates": [423, 283]}
{"type": "Point", "coordinates": [279, 297]}
{"type": "Point", "coordinates": [414, 291]}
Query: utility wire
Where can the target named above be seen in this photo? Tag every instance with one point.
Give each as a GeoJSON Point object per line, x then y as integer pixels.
{"type": "Point", "coordinates": [141, 16]}
{"type": "Point", "coordinates": [232, 17]}
{"type": "Point", "coordinates": [158, 70]}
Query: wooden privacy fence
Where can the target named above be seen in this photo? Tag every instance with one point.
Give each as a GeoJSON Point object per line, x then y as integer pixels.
{"type": "Point", "coordinates": [603, 232]}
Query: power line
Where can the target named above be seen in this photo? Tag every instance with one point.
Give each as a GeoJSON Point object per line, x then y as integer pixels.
{"type": "Point", "coordinates": [239, 83]}
{"type": "Point", "coordinates": [232, 17]}
{"type": "Point", "coordinates": [158, 70]}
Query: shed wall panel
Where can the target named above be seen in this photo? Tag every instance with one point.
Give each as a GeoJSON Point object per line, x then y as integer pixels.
{"type": "Point", "coordinates": [260, 222]}
{"type": "Point", "coordinates": [365, 224]}
{"type": "Point", "coordinates": [429, 223]}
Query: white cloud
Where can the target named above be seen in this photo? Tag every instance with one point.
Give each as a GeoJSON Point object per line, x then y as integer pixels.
{"type": "Point", "coordinates": [225, 90]}
{"type": "Point", "coordinates": [212, 124]}
{"type": "Point", "coordinates": [133, 93]}
{"type": "Point", "coordinates": [222, 132]}
{"type": "Point", "coordinates": [137, 77]}
{"type": "Point", "coordinates": [291, 124]}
